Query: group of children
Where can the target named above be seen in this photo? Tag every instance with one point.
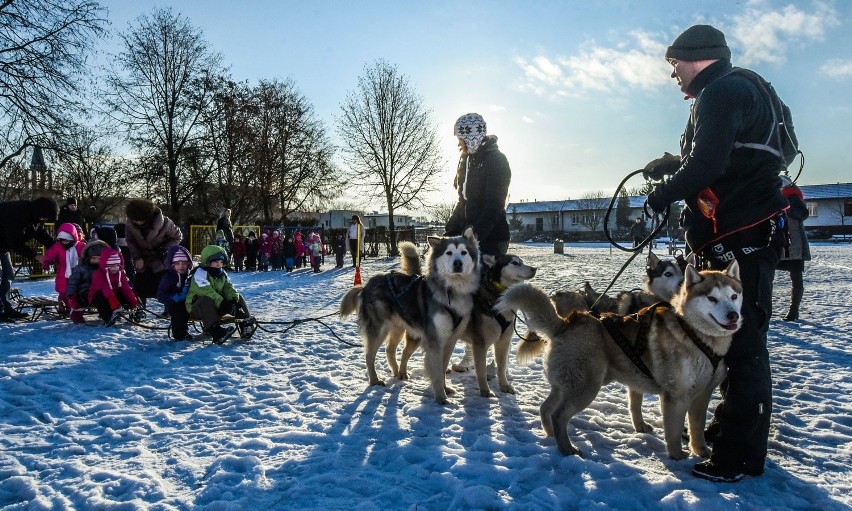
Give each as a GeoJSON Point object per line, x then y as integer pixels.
{"type": "Point", "coordinates": [272, 251]}
{"type": "Point", "coordinates": [93, 275]}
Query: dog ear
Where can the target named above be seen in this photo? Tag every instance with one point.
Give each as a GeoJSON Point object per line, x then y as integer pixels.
{"type": "Point", "coordinates": [468, 233]}
{"type": "Point", "coordinates": [653, 260]}
{"type": "Point", "coordinates": [691, 276]}
{"type": "Point", "coordinates": [733, 270]}
{"type": "Point", "coordinates": [489, 260]}
{"type": "Point", "coordinates": [433, 240]}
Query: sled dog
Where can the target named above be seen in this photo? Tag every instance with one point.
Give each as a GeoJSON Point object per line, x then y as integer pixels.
{"type": "Point", "coordinates": [487, 327]}
{"type": "Point", "coordinates": [676, 352]}
{"type": "Point", "coordinates": [585, 300]}
{"type": "Point", "coordinates": [662, 282]}
{"type": "Point", "coordinates": [434, 308]}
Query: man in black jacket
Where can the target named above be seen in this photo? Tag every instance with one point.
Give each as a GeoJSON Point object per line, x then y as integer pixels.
{"type": "Point", "coordinates": [21, 221]}
{"type": "Point", "coordinates": [69, 213]}
{"type": "Point", "coordinates": [730, 182]}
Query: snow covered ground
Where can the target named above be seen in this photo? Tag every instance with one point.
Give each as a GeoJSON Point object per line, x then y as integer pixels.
{"type": "Point", "coordinates": [121, 418]}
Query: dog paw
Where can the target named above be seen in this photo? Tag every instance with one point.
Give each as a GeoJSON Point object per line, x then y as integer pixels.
{"type": "Point", "coordinates": [380, 383]}
{"type": "Point", "coordinates": [507, 389]}
{"type": "Point", "coordinates": [702, 451]}
{"type": "Point", "coordinates": [679, 454]}
{"type": "Point", "coordinates": [643, 428]}
{"type": "Point", "coordinates": [486, 393]}
{"type": "Point", "coordinates": [403, 376]}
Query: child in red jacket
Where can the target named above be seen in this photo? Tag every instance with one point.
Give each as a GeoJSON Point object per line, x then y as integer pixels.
{"type": "Point", "coordinates": [110, 289]}
{"type": "Point", "coordinates": [64, 254]}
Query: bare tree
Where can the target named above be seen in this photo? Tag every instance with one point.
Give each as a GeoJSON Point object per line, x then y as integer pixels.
{"type": "Point", "coordinates": [442, 212]}
{"type": "Point", "coordinates": [389, 141]}
{"type": "Point", "coordinates": [164, 79]}
{"type": "Point", "coordinates": [89, 171]}
{"type": "Point", "coordinates": [592, 207]}
{"type": "Point", "coordinates": [44, 45]}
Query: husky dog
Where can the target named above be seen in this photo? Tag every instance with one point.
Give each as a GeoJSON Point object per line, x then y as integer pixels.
{"type": "Point", "coordinates": [434, 308]}
{"type": "Point", "coordinates": [662, 282]}
{"type": "Point", "coordinates": [677, 354]}
{"type": "Point", "coordinates": [586, 300]}
{"type": "Point", "coordinates": [486, 327]}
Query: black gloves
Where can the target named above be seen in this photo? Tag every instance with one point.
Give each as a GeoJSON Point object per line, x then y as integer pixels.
{"type": "Point", "coordinates": [664, 166]}
{"type": "Point", "coordinates": [655, 202]}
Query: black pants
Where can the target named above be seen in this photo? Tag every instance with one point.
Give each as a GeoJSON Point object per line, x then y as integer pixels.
{"type": "Point", "coordinates": [146, 284]}
{"type": "Point", "coordinates": [204, 308]}
{"type": "Point", "coordinates": [743, 416]}
{"type": "Point", "coordinates": [179, 318]}
{"type": "Point", "coordinates": [353, 247]}
{"type": "Point", "coordinates": [8, 274]}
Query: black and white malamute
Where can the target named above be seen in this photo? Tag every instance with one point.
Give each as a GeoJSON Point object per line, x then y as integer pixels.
{"type": "Point", "coordinates": [433, 308]}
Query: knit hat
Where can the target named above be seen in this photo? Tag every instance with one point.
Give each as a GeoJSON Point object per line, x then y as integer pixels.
{"type": "Point", "coordinates": [64, 235]}
{"type": "Point", "coordinates": [113, 258]}
{"type": "Point", "coordinates": [699, 42]}
{"type": "Point", "coordinates": [140, 210]}
{"type": "Point", "coordinates": [220, 233]}
{"type": "Point", "coordinates": [471, 129]}
{"type": "Point", "coordinates": [180, 255]}
{"type": "Point", "coordinates": [71, 200]}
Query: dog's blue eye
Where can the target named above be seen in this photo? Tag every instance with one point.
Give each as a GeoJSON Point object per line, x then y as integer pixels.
{"type": "Point", "coordinates": [712, 299]}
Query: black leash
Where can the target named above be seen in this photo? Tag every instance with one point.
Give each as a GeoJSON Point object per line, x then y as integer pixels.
{"type": "Point", "coordinates": [660, 221]}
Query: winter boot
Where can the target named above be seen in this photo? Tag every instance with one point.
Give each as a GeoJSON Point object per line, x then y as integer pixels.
{"type": "Point", "coordinates": [220, 334]}
{"type": "Point", "coordinates": [795, 301]}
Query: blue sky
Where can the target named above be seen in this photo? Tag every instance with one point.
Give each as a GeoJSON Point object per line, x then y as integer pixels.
{"type": "Point", "coordinates": [578, 92]}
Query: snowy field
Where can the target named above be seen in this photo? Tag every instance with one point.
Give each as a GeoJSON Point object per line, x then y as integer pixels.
{"type": "Point", "coordinates": [123, 419]}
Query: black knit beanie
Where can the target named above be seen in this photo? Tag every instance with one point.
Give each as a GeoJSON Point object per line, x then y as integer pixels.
{"type": "Point", "coordinates": [699, 42]}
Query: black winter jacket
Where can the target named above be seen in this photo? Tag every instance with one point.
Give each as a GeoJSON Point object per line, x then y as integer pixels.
{"type": "Point", "coordinates": [20, 224]}
{"type": "Point", "coordinates": [488, 176]}
{"type": "Point", "coordinates": [726, 190]}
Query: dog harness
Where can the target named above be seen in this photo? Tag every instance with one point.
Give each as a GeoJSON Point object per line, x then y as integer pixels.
{"type": "Point", "coordinates": [419, 282]}
{"type": "Point", "coordinates": [634, 350]}
{"type": "Point", "coordinates": [486, 306]}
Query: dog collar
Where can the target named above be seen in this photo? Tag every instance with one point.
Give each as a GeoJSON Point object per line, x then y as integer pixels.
{"type": "Point", "coordinates": [498, 285]}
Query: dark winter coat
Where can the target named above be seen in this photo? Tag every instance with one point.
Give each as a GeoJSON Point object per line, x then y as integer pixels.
{"type": "Point", "coordinates": [19, 223]}
{"type": "Point", "coordinates": [726, 190]}
{"type": "Point", "coordinates": [66, 216]}
{"type": "Point", "coordinates": [224, 225]}
{"type": "Point", "coordinates": [799, 249]}
{"type": "Point", "coordinates": [483, 185]}
{"type": "Point", "coordinates": [174, 283]}
{"type": "Point", "coordinates": [81, 278]}
{"type": "Point", "coordinates": [238, 249]}
{"type": "Point", "coordinates": [252, 246]}
{"type": "Point", "coordinates": [151, 241]}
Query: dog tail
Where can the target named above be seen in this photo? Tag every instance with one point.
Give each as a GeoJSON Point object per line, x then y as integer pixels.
{"type": "Point", "coordinates": [539, 311]}
{"type": "Point", "coordinates": [349, 303]}
{"type": "Point", "coordinates": [409, 258]}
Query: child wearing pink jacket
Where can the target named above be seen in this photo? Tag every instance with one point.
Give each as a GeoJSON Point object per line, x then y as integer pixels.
{"type": "Point", "coordinates": [64, 254]}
